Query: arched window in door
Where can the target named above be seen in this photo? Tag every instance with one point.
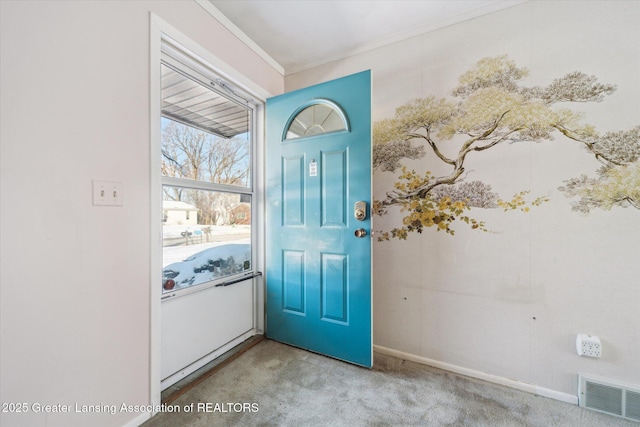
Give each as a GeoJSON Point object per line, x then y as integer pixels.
{"type": "Point", "coordinates": [316, 117]}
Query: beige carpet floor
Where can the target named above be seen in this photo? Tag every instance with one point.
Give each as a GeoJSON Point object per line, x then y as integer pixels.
{"type": "Point", "coordinates": [273, 384]}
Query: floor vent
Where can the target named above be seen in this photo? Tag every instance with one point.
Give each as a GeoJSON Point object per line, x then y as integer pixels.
{"type": "Point", "coordinates": [609, 397]}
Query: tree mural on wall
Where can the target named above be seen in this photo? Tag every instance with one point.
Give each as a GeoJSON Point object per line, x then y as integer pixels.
{"type": "Point", "coordinates": [492, 108]}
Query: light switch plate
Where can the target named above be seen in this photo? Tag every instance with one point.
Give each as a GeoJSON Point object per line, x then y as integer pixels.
{"type": "Point", "coordinates": [107, 193]}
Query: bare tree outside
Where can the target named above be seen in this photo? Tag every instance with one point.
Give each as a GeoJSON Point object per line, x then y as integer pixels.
{"type": "Point", "coordinates": [491, 107]}
{"type": "Point", "coordinates": [191, 153]}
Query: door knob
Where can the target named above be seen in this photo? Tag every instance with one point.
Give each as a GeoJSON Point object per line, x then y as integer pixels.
{"type": "Point", "coordinates": [360, 232]}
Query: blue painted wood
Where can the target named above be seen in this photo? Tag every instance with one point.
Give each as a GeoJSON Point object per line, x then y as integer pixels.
{"type": "Point", "coordinates": [318, 275]}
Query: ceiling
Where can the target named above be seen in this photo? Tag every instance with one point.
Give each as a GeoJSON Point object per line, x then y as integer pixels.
{"type": "Point", "coordinates": [302, 34]}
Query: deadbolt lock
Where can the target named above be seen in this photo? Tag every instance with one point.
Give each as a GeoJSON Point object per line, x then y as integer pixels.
{"type": "Point", "coordinates": [360, 210]}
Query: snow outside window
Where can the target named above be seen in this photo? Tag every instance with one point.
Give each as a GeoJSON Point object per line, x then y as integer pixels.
{"type": "Point", "coordinates": [216, 245]}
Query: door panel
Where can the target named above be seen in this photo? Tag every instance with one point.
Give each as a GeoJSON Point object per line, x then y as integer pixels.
{"type": "Point", "coordinates": [318, 272]}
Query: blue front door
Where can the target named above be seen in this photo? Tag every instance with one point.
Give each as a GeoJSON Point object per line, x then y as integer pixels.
{"type": "Point", "coordinates": [318, 167]}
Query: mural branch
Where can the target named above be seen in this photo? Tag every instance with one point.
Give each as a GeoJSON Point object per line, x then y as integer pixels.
{"type": "Point", "coordinates": [493, 108]}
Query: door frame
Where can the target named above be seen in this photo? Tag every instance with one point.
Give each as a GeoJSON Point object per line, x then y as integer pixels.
{"type": "Point", "coordinates": [161, 30]}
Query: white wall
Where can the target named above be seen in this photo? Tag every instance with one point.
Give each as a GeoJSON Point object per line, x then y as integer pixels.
{"type": "Point", "coordinates": [510, 303]}
{"type": "Point", "coordinates": [75, 278]}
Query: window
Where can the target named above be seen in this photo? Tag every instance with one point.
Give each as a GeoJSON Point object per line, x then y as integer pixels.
{"type": "Point", "coordinates": [207, 144]}
{"type": "Point", "coordinates": [318, 117]}
{"type": "Point", "coordinates": [208, 249]}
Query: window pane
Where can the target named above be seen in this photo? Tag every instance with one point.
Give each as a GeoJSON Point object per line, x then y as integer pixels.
{"type": "Point", "coordinates": [192, 153]}
{"type": "Point", "coordinates": [206, 235]}
{"type": "Point", "coordinates": [205, 134]}
{"type": "Point", "coordinates": [315, 119]}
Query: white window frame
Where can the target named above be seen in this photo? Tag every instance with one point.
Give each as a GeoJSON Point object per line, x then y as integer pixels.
{"type": "Point", "coordinates": [182, 61]}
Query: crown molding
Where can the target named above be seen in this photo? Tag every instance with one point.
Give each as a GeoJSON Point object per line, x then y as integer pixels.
{"type": "Point", "coordinates": [220, 17]}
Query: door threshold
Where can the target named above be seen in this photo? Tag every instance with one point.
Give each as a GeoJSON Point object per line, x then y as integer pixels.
{"type": "Point", "coordinates": [174, 391]}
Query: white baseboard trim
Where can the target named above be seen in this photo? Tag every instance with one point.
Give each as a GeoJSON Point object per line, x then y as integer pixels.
{"type": "Point", "coordinates": [540, 391]}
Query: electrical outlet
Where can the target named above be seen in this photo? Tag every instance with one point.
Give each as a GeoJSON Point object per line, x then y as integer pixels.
{"type": "Point", "coordinates": [588, 345]}
{"type": "Point", "coordinates": [107, 193]}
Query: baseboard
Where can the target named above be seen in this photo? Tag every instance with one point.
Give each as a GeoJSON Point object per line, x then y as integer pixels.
{"type": "Point", "coordinates": [540, 391]}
